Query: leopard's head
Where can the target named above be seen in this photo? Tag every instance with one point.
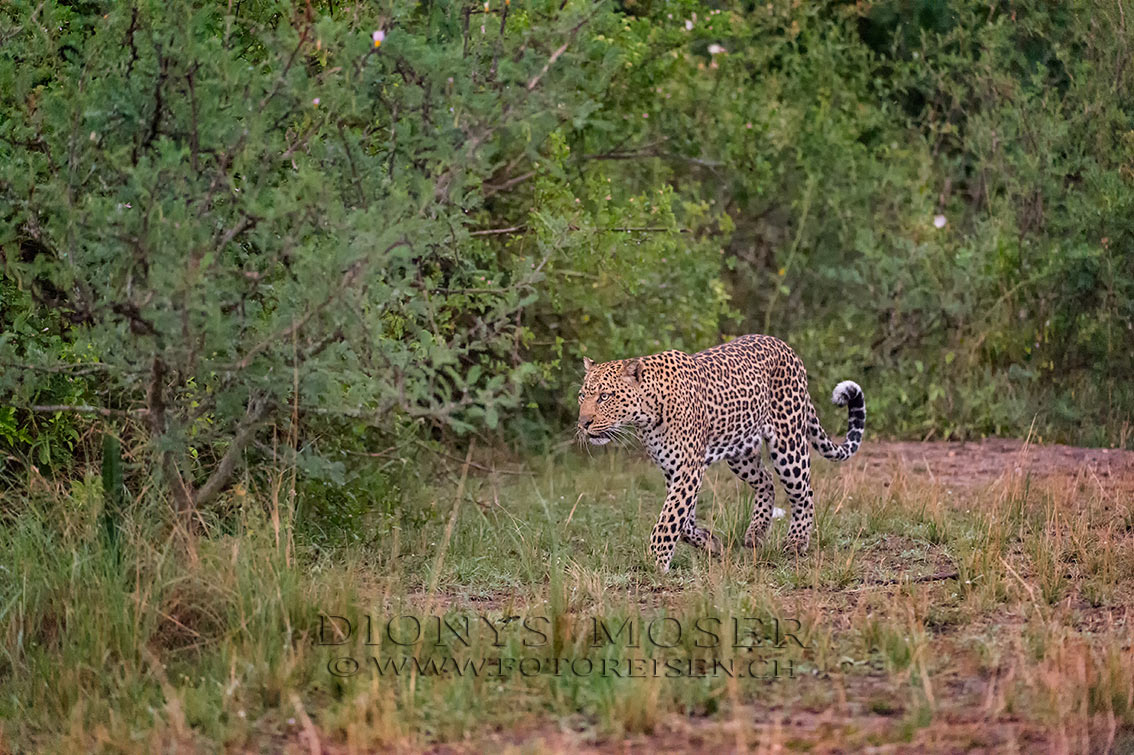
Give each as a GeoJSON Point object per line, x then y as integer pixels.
{"type": "Point", "coordinates": [611, 398]}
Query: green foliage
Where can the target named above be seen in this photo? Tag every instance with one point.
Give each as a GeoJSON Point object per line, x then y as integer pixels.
{"type": "Point", "coordinates": [32, 334]}
{"type": "Point", "coordinates": [833, 136]}
{"type": "Point", "coordinates": [255, 233]}
{"type": "Point", "coordinates": [241, 228]}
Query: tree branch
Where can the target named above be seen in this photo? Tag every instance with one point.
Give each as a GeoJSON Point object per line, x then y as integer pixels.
{"type": "Point", "coordinates": [505, 185]}
{"type": "Point", "coordinates": [223, 472]}
{"type": "Point", "coordinates": [473, 464]}
{"type": "Point", "coordinates": [85, 409]}
{"type": "Point", "coordinates": [155, 401]}
{"type": "Point", "coordinates": [498, 231]}
{"type": "Point", "coordinates": [648, 153]}
{"type": "Point", "coordinates": [347, 280]}
{"type": "Point", "coordinates": [617, 229]}
{"type": "Point", "coordinates": [562, 49]}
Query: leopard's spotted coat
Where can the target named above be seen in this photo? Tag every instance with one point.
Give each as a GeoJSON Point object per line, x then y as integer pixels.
{"type": "Point", "coordinates": [691, 410]}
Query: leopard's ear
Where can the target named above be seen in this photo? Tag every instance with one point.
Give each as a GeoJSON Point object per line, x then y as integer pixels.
{"type": "Point", "coordinates": [632, 370]}
{"type": "Point", "coordinates": [588, 363]}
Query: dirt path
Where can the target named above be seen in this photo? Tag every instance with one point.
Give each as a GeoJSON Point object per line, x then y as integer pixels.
{"type": "Point", "coordinates": [967, 464]}
{"type": "Point", "coordinates": [876, 710]}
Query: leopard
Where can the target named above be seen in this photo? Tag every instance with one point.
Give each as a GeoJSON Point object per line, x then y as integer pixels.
{"type": "Point", "coordinates": [728, 403]}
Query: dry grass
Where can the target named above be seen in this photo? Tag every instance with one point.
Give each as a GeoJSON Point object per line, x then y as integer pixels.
{"type": "Point", "coordinates": [1029, 645]}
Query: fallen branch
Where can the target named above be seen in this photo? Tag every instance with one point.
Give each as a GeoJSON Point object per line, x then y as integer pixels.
{"type": "Point", "coordinates": [938, 577]}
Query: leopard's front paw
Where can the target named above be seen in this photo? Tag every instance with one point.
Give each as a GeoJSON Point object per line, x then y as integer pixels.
{"type": "Point", "coordinates": [713, 544]}
{"type": "Point", "coordinates": [662, 557]}
{"type": "Point", "coordinates": [752, 539]}
{"type": "Point", "coordinates": [797, 546]}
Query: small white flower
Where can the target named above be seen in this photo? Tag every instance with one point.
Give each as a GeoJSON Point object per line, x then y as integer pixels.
{"type": "Point", "coordinates": [688, 25]}
{"type": "Point", "coordinates": [938, 221]}
{"type": "Point", "coordinates": [315, 102]}
{"type": "Point", "coordinates": [379, 37]}
{"type": "Point", "coordinates": [715, 49]}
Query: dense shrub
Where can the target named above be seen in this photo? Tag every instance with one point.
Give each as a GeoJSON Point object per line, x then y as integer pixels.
{"type": "Point", "coordinates": [256, 233]}
{"type": "Point", "coordinates": [247, 221]}
{"type": "Point", "coordinates": [834, 136]}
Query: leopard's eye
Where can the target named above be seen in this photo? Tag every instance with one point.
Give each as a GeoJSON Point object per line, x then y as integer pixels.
{"type": "Point", "coordinates": [604, 397]}
{"type": "Point", "coordinates": [580, 398]}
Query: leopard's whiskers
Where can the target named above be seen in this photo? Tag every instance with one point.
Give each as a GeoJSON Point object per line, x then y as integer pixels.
{"type": "Point", "coordinates": [627, 437]}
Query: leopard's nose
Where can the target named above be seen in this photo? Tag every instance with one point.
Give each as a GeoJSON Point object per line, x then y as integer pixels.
{"type": "Point", "coordinates": [585, 422]}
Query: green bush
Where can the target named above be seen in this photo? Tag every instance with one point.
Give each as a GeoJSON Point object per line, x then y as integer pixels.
{"type": "Point", "coordinates": [831, 136]}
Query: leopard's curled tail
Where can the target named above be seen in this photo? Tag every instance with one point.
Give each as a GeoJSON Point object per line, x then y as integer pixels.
{"type": "Point", "coordinates": [848, 394]}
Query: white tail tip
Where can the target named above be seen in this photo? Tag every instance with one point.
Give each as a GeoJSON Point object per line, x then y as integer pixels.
{"type": "Point", "coordinates": [843, 392]}
{"type": "Point", "coordinates": [778, 513]}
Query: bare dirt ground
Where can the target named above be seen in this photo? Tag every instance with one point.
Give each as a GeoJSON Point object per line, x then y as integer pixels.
{"type": "Point", "coordinates": [970, 723]}
{"type": "Point", "coordinates": [974, 463]}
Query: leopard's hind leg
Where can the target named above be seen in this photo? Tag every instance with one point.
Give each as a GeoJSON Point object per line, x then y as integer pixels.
{"type": "Point", "coordinates": [791, 458]}
{"type": "Point", "coordinates": [750, 468]}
